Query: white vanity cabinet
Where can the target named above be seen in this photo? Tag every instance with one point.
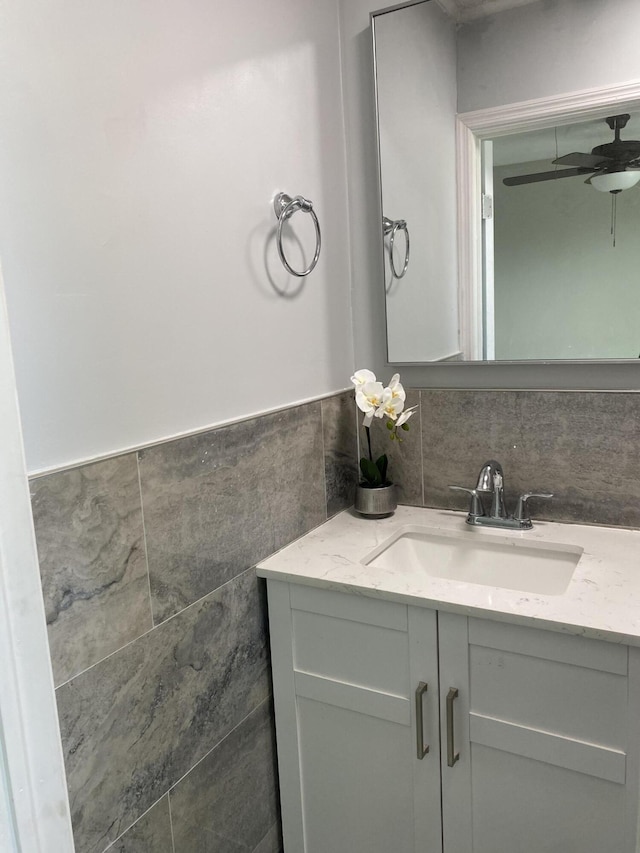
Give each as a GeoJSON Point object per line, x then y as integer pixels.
{"type": "Point", "coordinates": [545, 727]}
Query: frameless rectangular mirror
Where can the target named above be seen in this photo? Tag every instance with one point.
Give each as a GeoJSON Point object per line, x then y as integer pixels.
{"type": "Point", "coordinates": [515, 242]}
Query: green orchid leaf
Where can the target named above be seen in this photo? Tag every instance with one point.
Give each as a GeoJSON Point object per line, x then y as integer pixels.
{"type": "Point", "coordinates": [382, 464]}
{"type": "Point", "coordinates": [370, 472]}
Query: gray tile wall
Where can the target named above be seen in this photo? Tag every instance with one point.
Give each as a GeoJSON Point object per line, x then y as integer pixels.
{"type": "Point", "coordinates": [581, 446]}
{"type": "Point", "coordinates": [157, 621]}
{"type": "Point", "coordinates": [219, 502]}
{"type": "Point", "coordinates": [157, 624]}
{"type": "Point", "coordinates": [151, 834]}
{"type": "Point", "coordinates": [93, 565]}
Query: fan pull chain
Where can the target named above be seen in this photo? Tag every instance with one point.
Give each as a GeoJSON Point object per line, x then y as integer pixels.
{"type": "Point", "coordinates": [613, 201]}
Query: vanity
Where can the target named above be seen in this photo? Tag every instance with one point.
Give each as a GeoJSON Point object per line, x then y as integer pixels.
{"type": "Point", "coordinates": [445, 687]}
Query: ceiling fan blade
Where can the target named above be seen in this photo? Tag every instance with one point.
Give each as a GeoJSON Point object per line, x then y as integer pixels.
{"type": "Point", "coordinates": [584, 161]}
{"type": "Point", "coordinates": [517, 180]}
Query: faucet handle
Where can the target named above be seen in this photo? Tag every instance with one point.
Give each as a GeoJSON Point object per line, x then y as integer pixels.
{"type": "Point", "coordinates": [521, 509]}
{"type": "Point", "coordinates": [476, 507]}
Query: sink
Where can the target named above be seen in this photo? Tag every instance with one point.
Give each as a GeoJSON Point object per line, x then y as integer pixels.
{"type": "Point", "coordinates": [472, 557]}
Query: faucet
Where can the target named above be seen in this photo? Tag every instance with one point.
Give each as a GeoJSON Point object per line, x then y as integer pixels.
{"type": "Point", "coordinates": [491, 481]}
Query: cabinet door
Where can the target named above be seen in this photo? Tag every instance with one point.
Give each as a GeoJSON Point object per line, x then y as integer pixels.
{"type": "Point", "coordinates": [346, 669]}
{"type": "Point", "coordinates": [547, 735]}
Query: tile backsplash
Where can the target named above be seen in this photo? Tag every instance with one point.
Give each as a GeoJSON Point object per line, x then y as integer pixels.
{"type": "Point", "coordinates": [584, 447]}
{"type": "Point", "coordinates": [157, 624]}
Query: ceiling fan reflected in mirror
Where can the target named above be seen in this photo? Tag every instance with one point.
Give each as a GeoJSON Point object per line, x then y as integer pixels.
{"type": "Point", "coordinates": [612, 167]}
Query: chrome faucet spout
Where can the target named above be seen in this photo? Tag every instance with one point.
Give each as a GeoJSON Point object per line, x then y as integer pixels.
{"type": "Point", "coordinates": [486, 475]}
{"type": "Point", "coordinates": [491, 481]}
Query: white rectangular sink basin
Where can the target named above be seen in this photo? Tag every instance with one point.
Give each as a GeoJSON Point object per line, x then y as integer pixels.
{"type": "Point", "coordinates": [473, 557]}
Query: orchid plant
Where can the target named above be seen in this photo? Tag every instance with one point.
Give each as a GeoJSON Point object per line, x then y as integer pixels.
{"type": "Point", "coordinates": [376, 401]}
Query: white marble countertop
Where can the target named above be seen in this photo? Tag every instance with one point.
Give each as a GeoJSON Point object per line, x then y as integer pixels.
{"type": "Point", "coordinates": [601, 601]}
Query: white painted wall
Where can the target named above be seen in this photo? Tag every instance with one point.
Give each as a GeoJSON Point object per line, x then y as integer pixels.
{"type": "Point", "coordinates": [142, 144]}
{"type": "Point", "coordinates": [417, 95]}
{"type": "Point", "coordinates": [141, 147]}
{"type": "Point", "coordinates": [557, 272]}
{"type": "Point", "coordinates": [547, 48]}
{"type": "Point", "coordinates": [8, 841]}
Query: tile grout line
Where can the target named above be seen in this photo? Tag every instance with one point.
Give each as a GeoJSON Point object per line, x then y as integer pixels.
{"type": "Point", "coordinates": [324, 463]}
{"type": "Point", "coordinates": [160, 624]}
{"type": "Point", "coordinates": [356, 461]}
{"type": "Point", "coordinates": [193, 604]}
{"type": "Point", "coordinates": [149, 445]}
{"type": "Point", "coordinates": [265, 835]}
{"type": "Point", "coordinates": [167, 793]}
{"type": "Point", "coordinates": [421, 445]}
{"type": "Point", "coordinates": [144, 537]}
{"type": "Point", "coordinates": [173, 785]}
{"type": "Point", "coordinates": [173, 838]}
{"type": "Point", "coordinates": [131, 825]}
{"type": "Point", "coordinates": [221, 741]}
{"type": "Point", "coordinates": [356, 417]}
{"type": "Point", "coordinates": [197, 431]}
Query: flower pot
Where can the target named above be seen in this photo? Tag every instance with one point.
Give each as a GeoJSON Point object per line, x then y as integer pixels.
{"type": "Point", "coordinates": [376, 503]}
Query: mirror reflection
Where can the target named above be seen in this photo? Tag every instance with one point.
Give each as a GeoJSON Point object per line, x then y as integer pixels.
{"type": "Point", "coordinates": [560, 208]}
{"type": "Point", "coordinates": [415, 54]}
{"type": "Point", "coordinates": [566, 249]}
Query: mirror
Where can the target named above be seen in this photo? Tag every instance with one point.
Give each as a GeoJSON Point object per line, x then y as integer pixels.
{"type": "Point", "coordinates": [550, 280]}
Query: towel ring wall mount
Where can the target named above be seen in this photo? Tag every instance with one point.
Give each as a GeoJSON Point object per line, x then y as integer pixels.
{"type": "Point", "coordinates": [392, 227]}
{"type": "Point", "coordinates": [285, 206]}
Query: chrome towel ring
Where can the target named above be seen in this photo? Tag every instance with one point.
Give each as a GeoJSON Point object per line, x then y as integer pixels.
{"type": "Point", "coordinates": [285, 207]}
{"type": "Point", "coordinates": [392, 228]}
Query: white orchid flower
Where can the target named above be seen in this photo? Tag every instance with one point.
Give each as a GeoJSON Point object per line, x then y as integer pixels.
{"type": "Point", "coordinates": [404, 417]}
{"type": "Point", "coordinates": [369, 398]}
{"type": "Point", "coordinates": [361, 377]}
{"type": "Point", "coordinates": [390, 406]}
{"type": "Point", "coordinates": [397, 391]}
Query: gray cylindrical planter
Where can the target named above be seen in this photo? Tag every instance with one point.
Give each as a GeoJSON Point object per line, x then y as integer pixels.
{"type": "Point", "coordinates": [376, 503]}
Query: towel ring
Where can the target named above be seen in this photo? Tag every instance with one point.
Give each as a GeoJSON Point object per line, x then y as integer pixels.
{"type": "Point", "coordinates": [392, 228]}
{"type": "Point", "coordinates": [285, 207]}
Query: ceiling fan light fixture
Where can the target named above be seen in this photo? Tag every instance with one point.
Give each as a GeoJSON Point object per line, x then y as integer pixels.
{"type": "Point", "coordinates": [615, 182]}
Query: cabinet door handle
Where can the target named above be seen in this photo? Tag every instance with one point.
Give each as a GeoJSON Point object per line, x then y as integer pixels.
{"type": "Point", "coordinates": [452, 755]}
{"type": "Point", "coordinates": [423, 748]}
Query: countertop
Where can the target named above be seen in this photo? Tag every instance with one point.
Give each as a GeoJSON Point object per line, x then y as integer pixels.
{"type": "Point", "coordinates": [602, 600]}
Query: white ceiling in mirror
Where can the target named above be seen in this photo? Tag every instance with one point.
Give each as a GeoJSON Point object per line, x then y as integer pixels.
{"type": "Point", "coordinates": [467, 10]}
{"type": "Point", "coordinates": [541, 144]}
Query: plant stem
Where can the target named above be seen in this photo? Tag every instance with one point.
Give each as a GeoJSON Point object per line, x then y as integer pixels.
{"type": "Point", "coordinates": [368, 431]}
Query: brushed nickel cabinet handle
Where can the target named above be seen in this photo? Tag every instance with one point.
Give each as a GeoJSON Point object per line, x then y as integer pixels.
{"type": "Point", "coordinates": [452, 755]}
{"type": "Point", "coordinates": [423, 748]}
